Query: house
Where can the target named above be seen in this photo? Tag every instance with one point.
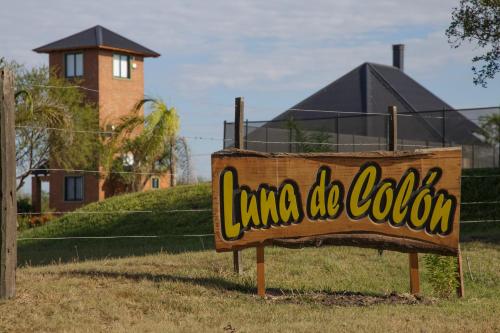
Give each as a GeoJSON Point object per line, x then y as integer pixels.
{"type": "Point", "coordinates": [366, 92]}
{"type": "Point", "coordinates": [110, 68]}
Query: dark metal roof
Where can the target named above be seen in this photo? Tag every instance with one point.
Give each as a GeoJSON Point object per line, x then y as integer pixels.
{"type": "Point", "coordinates": [371, 88]}
{"type": "Point", "coordinates": [97, 37]}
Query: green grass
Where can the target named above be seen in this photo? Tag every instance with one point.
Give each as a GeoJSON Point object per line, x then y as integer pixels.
{"type": "Point", "coordinates": [175, 284]}
{"type": "Point", "coordinates": [158, 222]}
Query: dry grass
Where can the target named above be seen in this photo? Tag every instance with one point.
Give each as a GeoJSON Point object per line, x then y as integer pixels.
{"type": "Point", "coordinates": [196, 291]}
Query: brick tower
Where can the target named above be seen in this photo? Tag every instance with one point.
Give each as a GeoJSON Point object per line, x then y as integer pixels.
{"type": "Point", "coordinates": [111, 68]}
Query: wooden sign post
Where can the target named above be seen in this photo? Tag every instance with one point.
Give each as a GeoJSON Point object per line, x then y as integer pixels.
{"type": "Point", "coordinates": [393, 146]}
{"type": "Point", "coordinates": [8, 228]}
{"type": "Point", "coordinates": [397, 200]}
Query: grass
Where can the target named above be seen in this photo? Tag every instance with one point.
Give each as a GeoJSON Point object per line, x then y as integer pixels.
{"type": "Point", "coordinates": [175, 284]}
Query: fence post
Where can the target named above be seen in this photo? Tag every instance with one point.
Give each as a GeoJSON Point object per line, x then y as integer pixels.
{"type": "Point", "coordinates": [393, 146]}
{"type": "Point", "coordinates": [246, 133]}
{"type": "Point", "coordinates": [224, 136]}
{"type": "Point", "coordinates": [8, 246]}
{"type": "Point", "coordinates": [239, 106]}
{"type": "Point", "coordinates": [338, 132]}
{"type": "Point", "coordinates": [443, 128]}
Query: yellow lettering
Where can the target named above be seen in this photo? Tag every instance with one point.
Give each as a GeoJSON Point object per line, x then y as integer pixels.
{"type": "Point", "coordinates": [359, 200]}
{"type": "Point", "coordinates": [403, 195]}
{"type": "Point", "coordinates": [386, 191]}
{"type": "Point", "coordinates": [230, 229]}
{"type": "Point", "coordinates": [442, 214]}
{"type": "Point", "coordinates": [288, 204]}
{"type": "Point", "coordinates": [268, 206]}
{"type": "Point", "coordinates": [420, 214]}
{"type": "Point", "coordinates": [334, 200]}
{"type": "Point", "coordinates": [249, 211]}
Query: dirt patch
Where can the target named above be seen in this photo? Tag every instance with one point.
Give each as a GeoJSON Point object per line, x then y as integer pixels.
{"type": "Point", "coordinates": [346, 298]}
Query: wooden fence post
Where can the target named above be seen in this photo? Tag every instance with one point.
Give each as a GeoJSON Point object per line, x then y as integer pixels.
{"type": "Point", "coordinates": [239, 106]}
{"type": "Point", "coordinates": [460, 274]}
{"type": "Point", "coordinates": [261, 280]}
{"type": "Point", "coordinates": [393, 146]}
{"type": "Point", "coordinates": [8, 228]}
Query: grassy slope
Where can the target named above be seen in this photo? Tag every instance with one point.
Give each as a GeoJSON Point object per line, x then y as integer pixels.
{"type": "Point", "coordinates": [187, 288]}
{"type": "Point", "coordinates": [159, 222]}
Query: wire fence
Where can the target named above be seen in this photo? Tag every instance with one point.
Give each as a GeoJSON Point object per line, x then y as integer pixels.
{"type": "Point", "coordinates": [319, 130]}
{"type": "Point", "coordinates": [338, 131]}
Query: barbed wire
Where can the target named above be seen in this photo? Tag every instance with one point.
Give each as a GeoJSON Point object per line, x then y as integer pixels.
{"type": "Point", "coordinates": [103, 171]}
{"type": "Point", "coordinates": [480, 203]}
{"type": "Point", "coordinates": [481, 176]}
{"type": "Point", "coordinates": [62, 87]}
{"type": "Point", "coordinates": [175, 235]}
{"type": "Point", "coordinates": [365, 114]}
{"type": "Point", "coordinates": [111, 132]}
{"type": "Point", "coordinates": [478, 221]}
{"type": "Point", "coordinates": [171, 211]}
{"type": "Point", "coordinates": [115, 237]}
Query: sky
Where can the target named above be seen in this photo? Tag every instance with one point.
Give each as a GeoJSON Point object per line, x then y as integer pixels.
{"type": "Point", "coordinates": [273, 53]}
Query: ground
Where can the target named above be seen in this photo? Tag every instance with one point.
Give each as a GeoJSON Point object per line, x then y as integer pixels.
{"type": "Point", "coordinates": [180, 284]}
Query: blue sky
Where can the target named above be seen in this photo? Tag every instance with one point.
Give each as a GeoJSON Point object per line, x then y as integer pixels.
{"type": "Point", "coordinates": [274, 53]}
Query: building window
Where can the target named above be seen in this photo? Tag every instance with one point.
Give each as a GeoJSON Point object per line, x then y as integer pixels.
{"type": "Point", "coordinates": [155, 182]}
{"type": "Point", "coordinates": [73, 64]}
{"type": "Point", "coordinates": [121, 66]}
{"type": "Point", "coordinates": [73, 188]}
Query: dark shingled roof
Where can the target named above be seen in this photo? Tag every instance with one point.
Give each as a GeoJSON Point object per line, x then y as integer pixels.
{"type": "Point", "coordinates": [371, 88]}
{"type": "Point", "coordinates": [97, 37]}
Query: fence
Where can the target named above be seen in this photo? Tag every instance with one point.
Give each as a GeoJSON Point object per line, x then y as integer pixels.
{"type": "Point", "coordinates": [300, 130]}
{"type": "Point", "coordinates": [337, 131]}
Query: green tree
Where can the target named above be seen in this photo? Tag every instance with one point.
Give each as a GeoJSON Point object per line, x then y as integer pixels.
{"type": "Point", "coordinates": [53, 121]}
{"type": "Point", "coordinates": [309, 142]}
{"type": "Point", "coordinates": [490, 128]}
{"type": "Point", "coordinates": [141, 146]}
{"type": "Point", "coordinates": [477, 22]}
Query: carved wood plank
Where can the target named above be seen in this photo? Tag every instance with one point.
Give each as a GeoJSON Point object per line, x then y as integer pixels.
{"type": "Point", "coordinates": [254, 169]}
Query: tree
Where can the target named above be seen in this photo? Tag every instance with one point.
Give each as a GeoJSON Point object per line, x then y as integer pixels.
{"type": "Point", "coordinates": [477, 21]}
{"type": "Point", "coordinates": [490, 128]}
{"type": "Point", "coordinates": [141, 146]}
{"type": "Point", "coordinates": [311, 141]}
{"type": "Point", "coordinates": [54, 123]}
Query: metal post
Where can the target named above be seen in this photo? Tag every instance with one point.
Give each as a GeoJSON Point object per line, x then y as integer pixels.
{"type": "Point", "coordinates": [238, 143]}
{"type": "Point", "coordinates": [267, 139]}
{"type": "Point", "coordinates": [224, 136]}
{"type": "Point", "coordinates": [393, 128]}
{"type": "Point", "coordinates": [8, 215]}
{"type": "Point", "coordinates": [338, 132]}
{"type": "Point", "coordinates": [443, 129]}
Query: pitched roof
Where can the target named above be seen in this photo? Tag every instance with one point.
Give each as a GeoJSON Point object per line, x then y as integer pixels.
{"type": "Point", "coordinates": [97, 37]}
{"type": "Point", "coordinates": [371, 88]}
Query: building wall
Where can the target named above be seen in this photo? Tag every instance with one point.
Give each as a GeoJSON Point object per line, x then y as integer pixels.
{"type": "Point", "coordinates": [115, 98]}
{"type": "Point", "coordinates": [118, 96]}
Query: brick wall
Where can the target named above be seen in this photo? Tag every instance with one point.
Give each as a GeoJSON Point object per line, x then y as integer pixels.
{"type": "Point", "coordinates": [116, 97]}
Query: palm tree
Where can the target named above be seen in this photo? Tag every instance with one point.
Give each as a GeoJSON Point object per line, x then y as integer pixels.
{"type": "Point", "coordinates": [143, 145]}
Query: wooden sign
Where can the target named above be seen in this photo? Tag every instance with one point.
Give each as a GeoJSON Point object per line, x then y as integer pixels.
{"type": "Point", "coordinates": [404, 201]}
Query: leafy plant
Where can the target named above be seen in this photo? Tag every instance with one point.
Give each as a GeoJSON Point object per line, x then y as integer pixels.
{"type": "Point", "coordinates": [490, 128]}
{"type": "Point", "coordinates": [442, 274]}
{"type": "Point", "coordinates": [476, 21]}
{"type": "Point", "coordinates": [53, 121]}
{"type": "Point", "coordinates": [144, 145]}
{"type": "Point", "coordinates": [313, 142]}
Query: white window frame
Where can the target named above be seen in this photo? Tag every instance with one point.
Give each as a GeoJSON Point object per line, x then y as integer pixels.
{"type": "Point", "coordinates": [121, 63]}
{"type": "Point", "coordinates": [153, 180]}
{"type": "Point", "coordinates": [77, 59]}
{"type": "Point", "coordinates": [76, 197]}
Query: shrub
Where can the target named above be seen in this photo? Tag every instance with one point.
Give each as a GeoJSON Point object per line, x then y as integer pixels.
{"type": "Point", "coordinates": [442, 274]}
